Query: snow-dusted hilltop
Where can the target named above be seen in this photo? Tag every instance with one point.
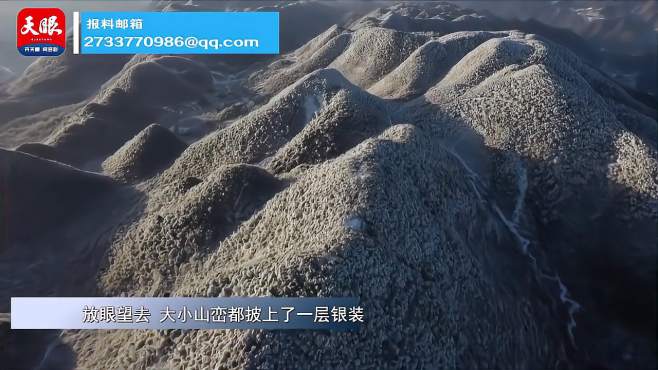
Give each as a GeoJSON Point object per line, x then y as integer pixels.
{"type": "Point", "coordinates": [489, 195]}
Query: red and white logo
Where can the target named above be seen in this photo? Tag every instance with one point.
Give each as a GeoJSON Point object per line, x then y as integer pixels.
{"type": "Point", "coordinates": [41, 31]}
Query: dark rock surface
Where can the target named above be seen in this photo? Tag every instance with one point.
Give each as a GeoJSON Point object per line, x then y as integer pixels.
{"type": "Point", "coordinates": [488, 193]}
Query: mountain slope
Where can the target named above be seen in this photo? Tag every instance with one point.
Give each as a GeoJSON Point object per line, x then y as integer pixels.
{"type": "Point", "coordinates": [490, 197]}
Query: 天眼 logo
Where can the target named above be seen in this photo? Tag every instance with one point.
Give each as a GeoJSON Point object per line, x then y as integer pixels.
{"type": "Point", "coordinates": [41, 31]}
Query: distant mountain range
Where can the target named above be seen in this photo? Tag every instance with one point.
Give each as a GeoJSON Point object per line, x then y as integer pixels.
{"type": "Point", "coordinates": [484, 186]}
